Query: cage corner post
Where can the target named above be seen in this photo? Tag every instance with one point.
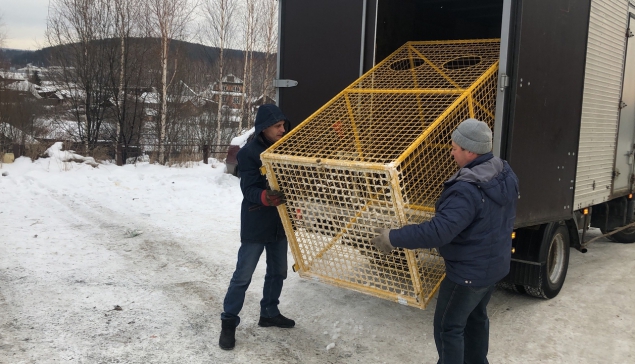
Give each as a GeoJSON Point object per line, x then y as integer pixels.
{"type": "Point", "coordinates": [284, 216]}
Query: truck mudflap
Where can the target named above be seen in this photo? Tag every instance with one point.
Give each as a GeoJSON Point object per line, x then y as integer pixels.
{"type": "Point", "coordinates": [523, 273]}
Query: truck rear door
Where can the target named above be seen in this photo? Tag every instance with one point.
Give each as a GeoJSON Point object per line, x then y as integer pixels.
{"type": "Point", "coordinates": [322, 48]}
{"type": "Point", "coordinates": [545, 106]}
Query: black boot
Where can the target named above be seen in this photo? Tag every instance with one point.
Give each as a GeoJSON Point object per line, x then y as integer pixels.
{"type": "Point", "coordinates": [228, 334]}
{"type": "Point", "coordinates": [278, 321]}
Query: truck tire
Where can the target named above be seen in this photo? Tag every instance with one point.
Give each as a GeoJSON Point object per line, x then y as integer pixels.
{"type": "Point", "coordinates": [554, 251]}
{"type": "Point", "coordinates": [516, 288]}
{"type": "Point", "coordinates": [626, 236]}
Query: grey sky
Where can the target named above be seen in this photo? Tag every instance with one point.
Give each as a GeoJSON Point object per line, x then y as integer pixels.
{"type": "Point", "coordinates": [24, 22]}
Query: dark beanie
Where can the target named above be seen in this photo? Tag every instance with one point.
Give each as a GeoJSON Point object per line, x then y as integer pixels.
{"type": "Point", "coordinates": [473, 135]}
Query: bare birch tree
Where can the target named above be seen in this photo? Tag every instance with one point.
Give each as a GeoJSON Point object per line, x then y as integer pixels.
{"type": "Point", "coordinates": [249, 32]}
{"type": "Point", "coordinates": [3, 32]}
{"type": "Point", "coordinates": [130, 77]}
{"type": "Point", "coordinates": [125, 12]}
{"type": "Point", "coordinates": [79, 32]}
{"type": "Point", "coordinates": [269, 38]}
{"type": "Point", "coordinates": [4, 62]}
{"type": "Point", "coordinates": [218, 28]}
{"type": "Point", "coordinates": [168, 20]}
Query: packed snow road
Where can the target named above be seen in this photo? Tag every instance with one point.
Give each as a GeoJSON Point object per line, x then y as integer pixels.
{"type": "Point", "coordinates": [130, 265]}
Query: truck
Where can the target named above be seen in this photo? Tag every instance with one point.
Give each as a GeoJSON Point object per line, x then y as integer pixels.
{"type": "Point", "coordinates": [564, 103]}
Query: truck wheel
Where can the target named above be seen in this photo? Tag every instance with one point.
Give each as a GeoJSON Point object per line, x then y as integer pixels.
{"type": "Point", "coordinates": [517, 288]}
{"type": "Point", "coordinates": [626, 236]}
{"type": "Point", "coordinates": [554, 251]}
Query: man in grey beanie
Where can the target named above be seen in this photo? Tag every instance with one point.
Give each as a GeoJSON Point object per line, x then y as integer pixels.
{"type": "Point", "coordinates": [472, 230]}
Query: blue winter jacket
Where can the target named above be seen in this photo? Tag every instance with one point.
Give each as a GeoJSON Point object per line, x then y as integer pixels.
{"type": "Point", "coordinates": [473, 223]}
{"type": "Point", "coordinates": [258, 223]}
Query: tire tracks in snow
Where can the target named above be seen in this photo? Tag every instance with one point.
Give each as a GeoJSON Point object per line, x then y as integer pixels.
{"type": "Point", "coordinates": [155, 244]}
{"type": "Point", "coordinates": [194, 285]}
{"type": "Point", "coordinates": [170, 290]}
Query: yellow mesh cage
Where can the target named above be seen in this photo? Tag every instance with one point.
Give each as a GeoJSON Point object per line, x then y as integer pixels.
{"type": "Point", "coordinates": [377, 155]}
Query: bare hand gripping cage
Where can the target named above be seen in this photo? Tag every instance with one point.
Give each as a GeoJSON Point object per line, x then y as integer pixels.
{"type": "Point", "coordinates": [377, 155]}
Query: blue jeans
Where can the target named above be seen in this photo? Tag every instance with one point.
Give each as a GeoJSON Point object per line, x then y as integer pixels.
{"type": "Point", "coordinates": [248, 256]}
{"type": "Point", "coordinates": [461, 325]}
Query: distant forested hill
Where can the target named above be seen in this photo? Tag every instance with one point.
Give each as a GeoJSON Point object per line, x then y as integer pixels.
{"type": "Point", "coordinates": [194, 52]}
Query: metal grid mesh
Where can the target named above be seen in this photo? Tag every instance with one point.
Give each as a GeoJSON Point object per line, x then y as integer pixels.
{"type": "Point", "coordinates": [377, 155]}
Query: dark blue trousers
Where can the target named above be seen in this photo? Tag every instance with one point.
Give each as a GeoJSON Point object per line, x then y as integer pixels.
{"type": "Point", "coordinates": [248, 256]}
{"type": "Point", "coordinates": [461, 325]}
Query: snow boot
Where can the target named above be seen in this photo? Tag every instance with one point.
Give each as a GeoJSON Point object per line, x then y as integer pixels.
{"type": "Point", "coordinates": [228, 334]}
{"type": "Point", "coordinates": [278, 321]}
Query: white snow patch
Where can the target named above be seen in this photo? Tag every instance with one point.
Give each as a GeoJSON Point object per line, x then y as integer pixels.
{"type": "Point", "coordinates": [56, 153]}
{"type": "Point", "coordinates": [242, 139]}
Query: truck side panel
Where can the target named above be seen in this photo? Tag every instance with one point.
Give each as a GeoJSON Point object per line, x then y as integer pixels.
{"type": "Point", "coordinates": [600, 112]}
{"type": "Point", "coordinates": [624, 180]}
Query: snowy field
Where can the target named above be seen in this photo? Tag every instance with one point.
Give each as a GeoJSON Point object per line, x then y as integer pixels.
{"type": "Point", "coordinates": [130, 265]}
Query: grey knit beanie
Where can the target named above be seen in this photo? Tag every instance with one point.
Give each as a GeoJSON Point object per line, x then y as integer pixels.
{"type": "Point", "coordinates": [473, 135]}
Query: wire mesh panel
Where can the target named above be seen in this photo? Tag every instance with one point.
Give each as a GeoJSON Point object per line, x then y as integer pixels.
{"type": "Point", "coordinates": [377, 155]}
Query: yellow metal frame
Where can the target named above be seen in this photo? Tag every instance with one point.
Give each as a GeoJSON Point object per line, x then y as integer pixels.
{"type": "Point", "coordinates": [376, 155]}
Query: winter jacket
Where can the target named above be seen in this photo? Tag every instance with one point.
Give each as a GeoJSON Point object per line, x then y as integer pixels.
{"type": "Point", "coordinates": [473, 223]}
{"type": "Point", "coordinates": [258, 223]}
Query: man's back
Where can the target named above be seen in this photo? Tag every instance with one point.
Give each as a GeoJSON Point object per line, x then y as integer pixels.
{"type": "Point", "coordinates": [480, 254]}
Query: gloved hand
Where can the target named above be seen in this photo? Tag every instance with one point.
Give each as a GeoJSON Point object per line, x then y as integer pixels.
{"type": "Point", "coordinates": [272, 198]}
{"type": "Point", "coordinates": [382, 241]}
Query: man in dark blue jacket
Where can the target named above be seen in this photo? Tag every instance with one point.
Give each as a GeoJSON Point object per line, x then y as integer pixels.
{"type": "Point", "coordinates": [472, 230]}
{"type": "Point", "coordinates": [260, 229]}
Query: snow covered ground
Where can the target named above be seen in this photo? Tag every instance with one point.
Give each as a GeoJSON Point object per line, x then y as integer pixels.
{"type": "Point", "coordinates": [130, 265]}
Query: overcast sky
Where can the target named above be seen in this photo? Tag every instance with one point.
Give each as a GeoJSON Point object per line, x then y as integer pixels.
{"type": "Point", "coordinates": [24, 22]}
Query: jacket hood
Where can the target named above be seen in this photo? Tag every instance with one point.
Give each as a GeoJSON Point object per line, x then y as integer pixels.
{"type": "Point", "coordinates": [489, 174]}
{"type": "Point", "coordinates": [269, 114]}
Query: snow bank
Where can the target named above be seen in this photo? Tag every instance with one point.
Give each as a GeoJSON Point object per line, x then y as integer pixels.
{"type": "Point", "coordinates": [242, 139]}
{"type": "Point", "coordinates": [56, 153]}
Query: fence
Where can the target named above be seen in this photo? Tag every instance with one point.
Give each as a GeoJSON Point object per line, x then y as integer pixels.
{"type": "Point", "coordinates": [176, 152]}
